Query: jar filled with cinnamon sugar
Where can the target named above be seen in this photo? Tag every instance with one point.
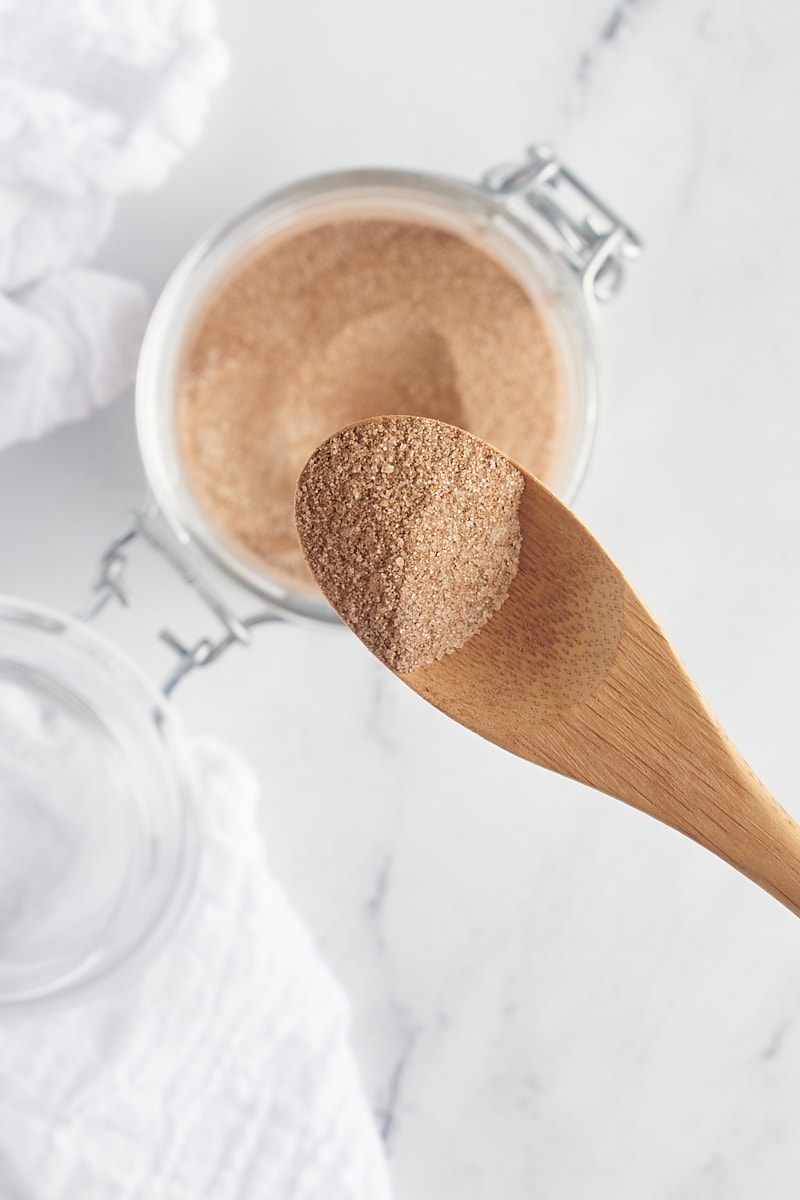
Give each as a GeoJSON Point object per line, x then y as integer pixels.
{"type": "Point", "coordinates": [364, 293]}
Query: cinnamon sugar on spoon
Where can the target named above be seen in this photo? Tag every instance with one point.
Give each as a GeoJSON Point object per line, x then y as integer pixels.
{"type": "Point", "coordinates": [411, 529]}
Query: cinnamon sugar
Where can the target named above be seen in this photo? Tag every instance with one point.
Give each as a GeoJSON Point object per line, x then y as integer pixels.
{"type": "Point", "coordinates": [412, 532]}
{"type": "Point", "coordinates": [343, 321]}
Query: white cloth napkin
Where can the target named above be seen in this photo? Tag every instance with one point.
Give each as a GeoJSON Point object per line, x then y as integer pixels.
{"type": "Point", "coordinates": [98, 98]}
{"type": "Point", "coordinates": [221, 1071]}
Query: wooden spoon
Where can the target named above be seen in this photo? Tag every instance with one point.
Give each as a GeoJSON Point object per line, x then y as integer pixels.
{"type": "Point", "coordinates": [573, 673]}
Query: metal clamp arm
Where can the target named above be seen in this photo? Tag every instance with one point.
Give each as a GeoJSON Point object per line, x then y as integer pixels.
{"type": "Point", "coordinates": [111, 585]}
{"type": "Point", "coordinates": [592, 238]}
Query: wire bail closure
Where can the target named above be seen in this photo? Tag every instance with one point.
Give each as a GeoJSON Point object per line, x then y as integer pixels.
{"type": "Point", "coordinates": [590, 236]}
{"type": "Point", "coordinates": [111, 585]}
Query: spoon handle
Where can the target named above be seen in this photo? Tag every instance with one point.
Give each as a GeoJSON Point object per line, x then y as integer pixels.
{"type": "Point", "coordinates": [646, 736]}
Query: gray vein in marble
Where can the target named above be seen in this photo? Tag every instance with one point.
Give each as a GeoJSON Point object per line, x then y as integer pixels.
{"type": "Point", "coordinates": [376, 900]}
{"type": "Point", "coordinates": [607, 35]}
{"type": "Point", "coordinates": [779, 1034]}
{"type": "Point", "coordinates": [615, 22]}
{"type": "Point", "coordinates": [686, 188]}
{"type": "Point", "coordinates": [388, 1110]}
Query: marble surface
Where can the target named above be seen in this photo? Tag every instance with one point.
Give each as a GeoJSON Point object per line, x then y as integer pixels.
{"type": "Point", "coordinates": [552, 995]}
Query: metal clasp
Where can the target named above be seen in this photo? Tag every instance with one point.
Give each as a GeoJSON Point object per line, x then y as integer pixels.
{"type": "Point", "coordinates": [592, 238]}
{"type": "Point", "coordinates": [111, 585]}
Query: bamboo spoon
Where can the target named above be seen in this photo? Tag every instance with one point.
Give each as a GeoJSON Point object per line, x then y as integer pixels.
{"type": "Point", "coordinates": [573, 673]}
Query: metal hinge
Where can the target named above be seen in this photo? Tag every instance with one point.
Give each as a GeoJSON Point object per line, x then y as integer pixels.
{"type": "Point", "coordinates": [592, 238]}
{"type": "Point", "coordinates": [111, 585]}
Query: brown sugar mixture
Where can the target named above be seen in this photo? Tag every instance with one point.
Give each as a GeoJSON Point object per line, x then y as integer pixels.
{"type": "Point", "coordinates": [343, 321]}
{"type": "Point", "coordinates": [411, 529]}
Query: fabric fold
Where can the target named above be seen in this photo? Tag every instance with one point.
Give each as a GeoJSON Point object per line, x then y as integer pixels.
{"type": "Point", "coordinates": [98, 99]}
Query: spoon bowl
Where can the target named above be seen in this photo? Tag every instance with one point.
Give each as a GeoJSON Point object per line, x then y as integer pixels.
{"type": "Point", "coordinates": [573, 673]}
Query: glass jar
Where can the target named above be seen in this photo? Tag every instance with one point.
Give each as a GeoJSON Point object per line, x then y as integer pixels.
{"type": "Point", "coordinates": [98, 809]}
{"type": "Point", "coordinates": [537, 221]}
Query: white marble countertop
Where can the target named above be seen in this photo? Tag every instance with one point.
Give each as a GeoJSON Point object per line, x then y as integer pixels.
{"type": "Point", "coordinates": [553, 995]}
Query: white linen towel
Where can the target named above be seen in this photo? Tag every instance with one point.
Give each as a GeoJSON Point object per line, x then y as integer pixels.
{"type": "Point", "coordinates": [221, 1071]}
{"type": "Point", "coordinates": [98, 98]}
